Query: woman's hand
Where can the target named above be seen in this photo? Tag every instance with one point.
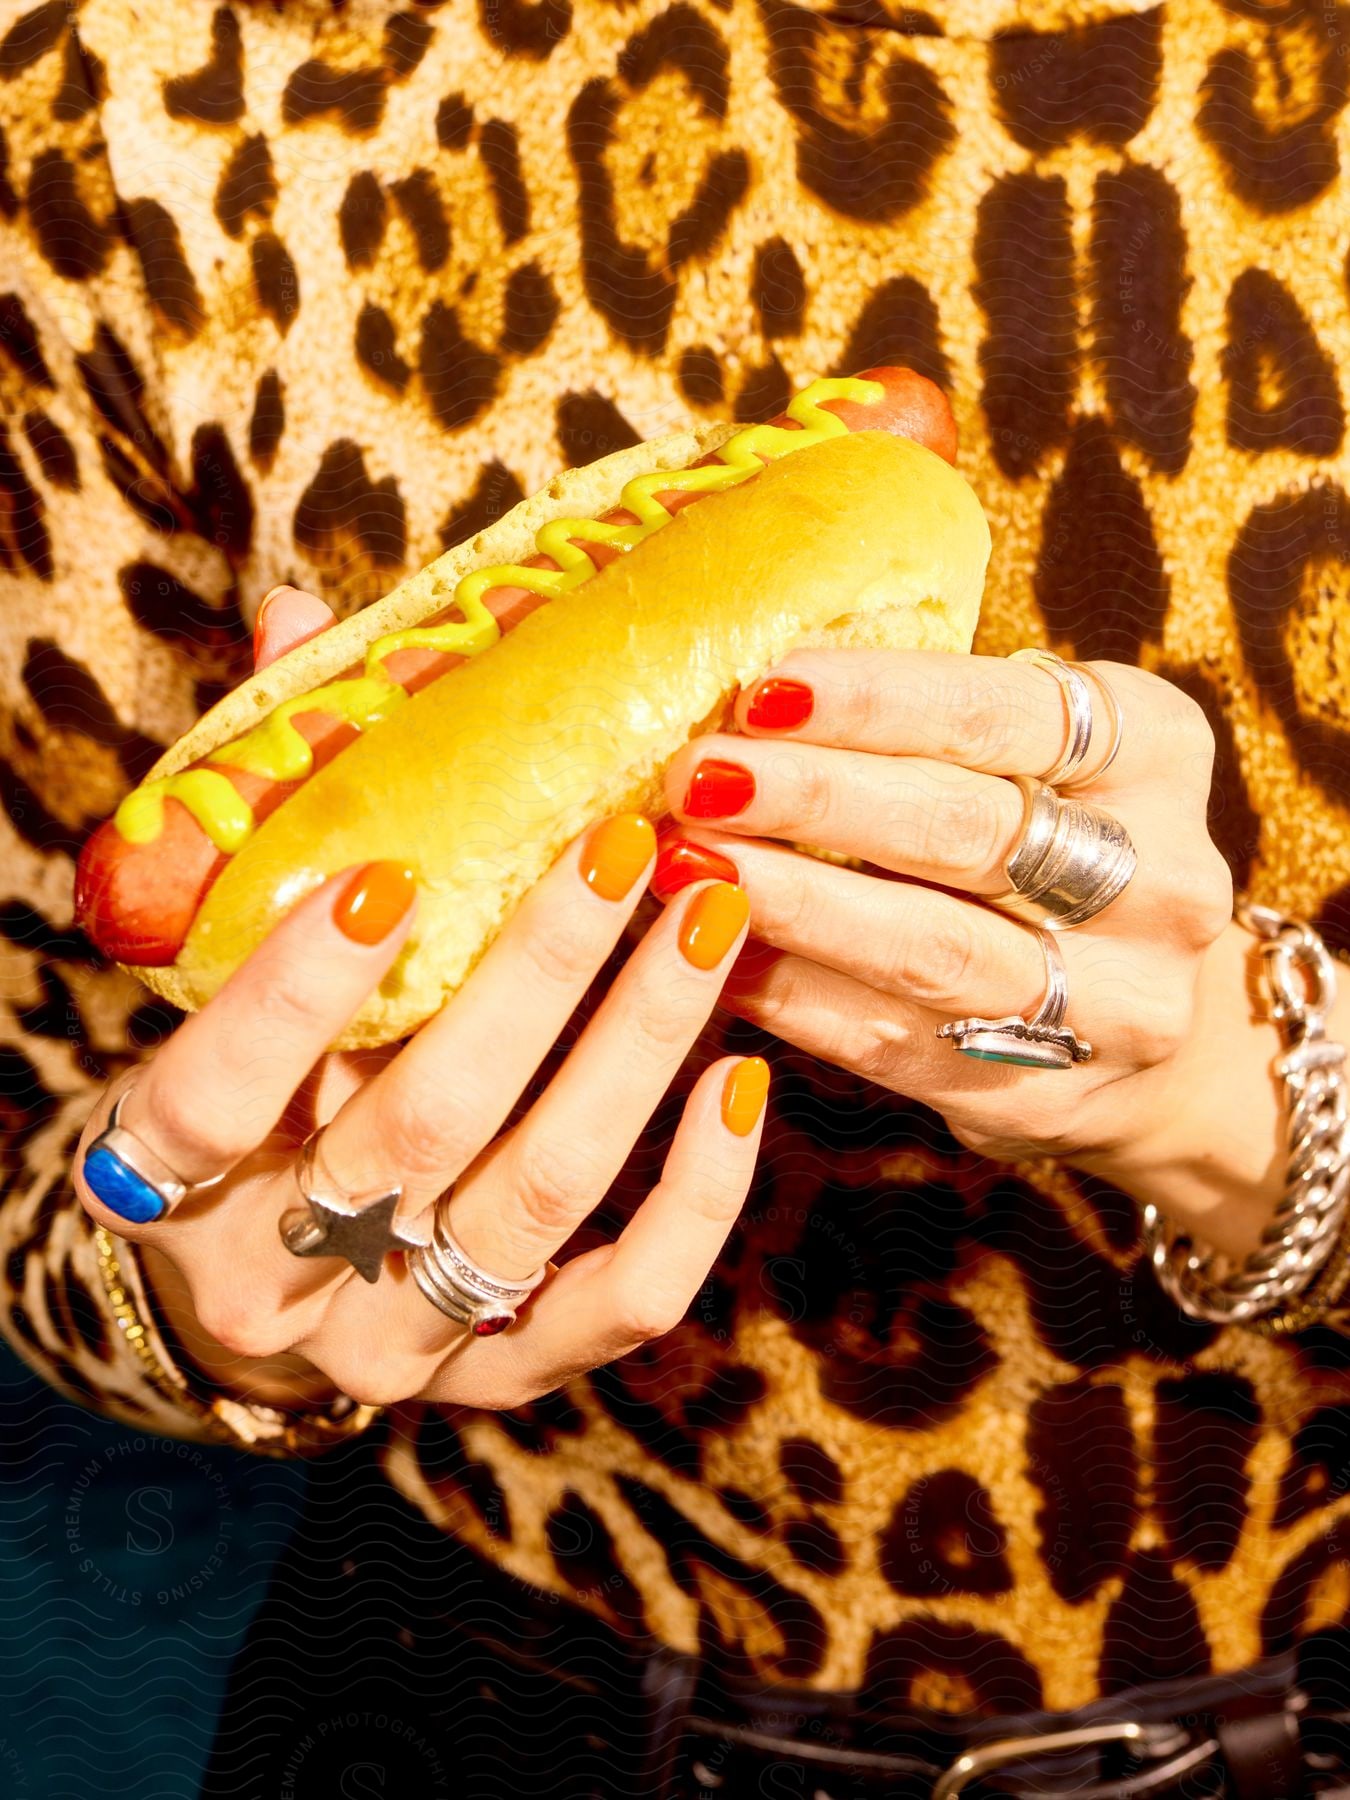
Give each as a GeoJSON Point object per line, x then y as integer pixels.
{"type": "Point", "coordinates": [901, 759]}
{"type": "Point", "coordinates": [241, 1083]}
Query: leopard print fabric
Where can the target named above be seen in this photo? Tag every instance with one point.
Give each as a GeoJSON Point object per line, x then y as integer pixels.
{"type": "Point", "coordinates": [307, 291]}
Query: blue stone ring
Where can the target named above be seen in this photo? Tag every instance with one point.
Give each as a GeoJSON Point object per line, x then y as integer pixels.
{"type": "Point", "coordinates": [1042, 1042]}
{"type": "Point", "coordinates": [122, 1171]}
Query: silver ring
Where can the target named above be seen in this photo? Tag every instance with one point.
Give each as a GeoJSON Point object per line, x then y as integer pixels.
{"type": "Point", "coordinates": [458, 1287]}
{"type": "Point", "coordinates": [1043, 1041]}
{"type": "Point", "coordinates": [1116, 710]}
{"type": "Point", "coordinates": [360, 1227]}
{"type": "Point", "coordinates": [1071, 860]}
{"type": "Point", "coordinates": [1078, 705]}
{"type": "Point", "coordinates": [129, 1178]}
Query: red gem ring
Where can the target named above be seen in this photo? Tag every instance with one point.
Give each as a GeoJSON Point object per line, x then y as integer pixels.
{"type": "Point", "coordinates": [456, 1286]}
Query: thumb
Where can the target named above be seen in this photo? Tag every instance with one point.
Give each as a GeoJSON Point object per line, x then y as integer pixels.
{"type": "Point", "coordinates": [287, 617]}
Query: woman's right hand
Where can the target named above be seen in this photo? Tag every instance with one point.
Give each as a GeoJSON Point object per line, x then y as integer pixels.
{"type": "Point", "coordinates": [241, 1083]}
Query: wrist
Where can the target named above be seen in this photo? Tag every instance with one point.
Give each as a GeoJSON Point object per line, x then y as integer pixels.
{"type": "Point", "coordinates": [1213, 1155]}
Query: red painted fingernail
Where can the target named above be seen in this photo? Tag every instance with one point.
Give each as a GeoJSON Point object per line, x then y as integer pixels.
{"type": "Point", "coordinates": [679, 864]}
{"type": "Point", "coordinates": [718, 790]}
{"type": "Point", "coordinates": [780, 705]}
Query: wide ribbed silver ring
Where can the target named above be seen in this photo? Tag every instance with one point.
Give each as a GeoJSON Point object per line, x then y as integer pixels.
{"type": "Point", "coordinates": [1071, 860]}
{"type": "Point", "coordinates": [460, 1288]}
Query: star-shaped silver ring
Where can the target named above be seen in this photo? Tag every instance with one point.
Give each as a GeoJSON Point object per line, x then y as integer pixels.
{"type": "Point", "coordinates": [360, 1228]}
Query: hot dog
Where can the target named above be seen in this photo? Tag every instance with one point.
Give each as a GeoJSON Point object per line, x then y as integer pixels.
{"type": "Point", "coordinates": [191, 868]}
{"type": "Point", "coordinates": [144, 874]}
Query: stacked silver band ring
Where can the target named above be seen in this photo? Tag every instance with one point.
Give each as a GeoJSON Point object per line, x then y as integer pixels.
{"type": "Point", "coordinates": [1070, 862]}
{"type": "Point", "coordinates": [456, 1286]}
{"type": "Point", "coordinates": [1073, 679]}
{"type": "Point", "coordinates": [1078, 702]}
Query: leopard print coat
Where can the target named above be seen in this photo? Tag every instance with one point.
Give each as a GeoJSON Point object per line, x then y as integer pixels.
{"type": "Point", "coordinates": [307, 291]}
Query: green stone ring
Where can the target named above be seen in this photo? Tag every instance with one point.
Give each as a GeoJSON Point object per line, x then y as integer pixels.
{"type": "Point", "coordinates": [1041, 1042]}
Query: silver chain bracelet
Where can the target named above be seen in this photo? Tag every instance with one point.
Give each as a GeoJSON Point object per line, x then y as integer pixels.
{"type": "Point", "coordinates": [1300, 978]}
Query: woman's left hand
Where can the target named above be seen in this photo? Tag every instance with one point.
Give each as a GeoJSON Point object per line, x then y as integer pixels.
{"type": "Point", "coordinates": [901, 759]}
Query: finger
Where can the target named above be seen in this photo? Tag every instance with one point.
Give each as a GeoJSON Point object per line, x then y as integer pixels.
{"type": "Point", "coordinates": [903, 939]}
{"type": "Point", "coordinates": [989, 713]}
{"type": "Point", "coordinates": [448, 1092]}
{"type": "Point", "coordinates": [539, 1183]}
{"type": "Point", "coordinates": [287, 618]}
{"type": "Point", "coordinates": [527, 1194]}
{"type": "Point", "coordinates": [607, 1302]}
{"type": "Point", "coordinates": [910, 814]}
{"type": "Point", "coordinates": [882, 1037]}
{"type": "Point", "coordinates": [217, 1088]}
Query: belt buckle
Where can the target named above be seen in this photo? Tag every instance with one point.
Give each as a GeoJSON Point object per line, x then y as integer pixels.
{"type": "Point", "coordinates": [1150, 1740]}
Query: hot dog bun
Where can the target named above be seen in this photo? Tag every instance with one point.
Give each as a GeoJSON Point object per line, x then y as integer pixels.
{"type": "Point", "coordinates": [479, 781]}
{"type": "Point", "coordinates": [576, 493]}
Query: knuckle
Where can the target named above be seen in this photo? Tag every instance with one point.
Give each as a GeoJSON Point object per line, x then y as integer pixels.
{"type": "Point", "coordinates": [936, 960]}
{"type": "Point", "coordinates": [789, 912]}
{"type": "Point", "coordinates": [875, 1051]}
{"type": "Point", "coordinates": [292, 1007]}
{"type": "Point", "coordinates": [770, 1000]}
{"type": "Point", "coordinates": [976, 718]}
{"type": "Point", "coordinates": [552, 1183]}
{"type": "Point", "coordinates": [560, 956]}
{"type": "Point", "coordinates": [964, 831]}
{"type": "Point", "coordinates": [647, 1315]}
{"type": "Point", "coordinates": [1212, 898]}
{"type": "Point", "coordinates": [371, 1381]}
{"type": "Point", "coordinates": [424, 1132]}
{"type": "Point", "coordinates": [807, 791]}
{"type": "Point", "coordinates": [1163, 1027]}
{"type": "Point", "coordinates": [865, 702]}
{"type": "Point", "coordinates": [666, 1021]}
{"type": "Point", "coordinates": [1189, 724]}
{"type": "Point", "coordinates": [180, 1115]}
{"type": "Point", "coordinates": [241, 1326]}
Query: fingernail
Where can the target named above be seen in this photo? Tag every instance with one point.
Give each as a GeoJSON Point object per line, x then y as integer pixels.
{"type": "Point", "coordinates": [263, 605]}
{"type": "Point", "coordinates": [718, 790]}
{"type": "Point", "coordinates": [616, 853]}
{"type": "Point", "coordinates": [743, 1095]}
{"type": "Point", "coordinates": [373, 901]}
{"type": "Point", "coordinates": [714, 920]}
{"type": "Point", "coordinates": [780, 705]}
{"type": "Point", "coordinates": [679, 864]}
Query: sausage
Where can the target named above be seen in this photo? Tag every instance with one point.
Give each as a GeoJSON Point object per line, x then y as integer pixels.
{"type": "Point", "coordinates": [137, 900]}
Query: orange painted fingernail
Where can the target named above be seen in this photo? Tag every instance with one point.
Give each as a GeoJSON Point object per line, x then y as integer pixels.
{"type": "Point", "coordinates": [712, 922]}
{"type": "Point", "coordinates": [373, 901]}
{"type": "Point", "coordinates": [743, 1095]}
{"type": "Point", "coordinates": [616, 853]}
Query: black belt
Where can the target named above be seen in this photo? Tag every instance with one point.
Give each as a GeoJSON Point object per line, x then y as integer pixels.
{"type": "Point", "coordinates": [1279, 1730]}
{"type": "Point", "coordinates": [1261, 1740]}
